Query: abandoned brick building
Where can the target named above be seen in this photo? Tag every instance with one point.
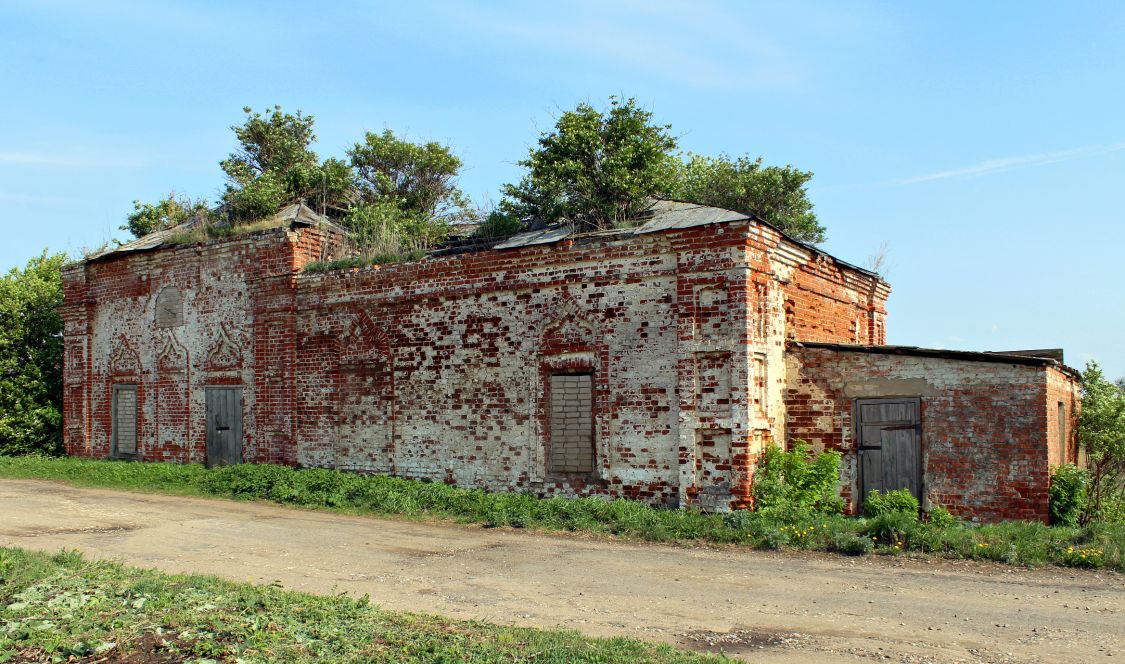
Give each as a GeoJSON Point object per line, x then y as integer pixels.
{"type": "Point", "coordinates": [654, 363]}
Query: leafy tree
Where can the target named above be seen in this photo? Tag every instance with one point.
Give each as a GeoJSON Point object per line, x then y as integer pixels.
{"type": "Point", "coordinates": [598, 169]}
{"type": "Point", "coordinates": [168, 212]}
{"type": "Point", "coordinates": [778, 195]}
{"type": "Point", "coordinates": [1101, 432]}
{"type": "Point", "coordinates": [595, 169]}
{"type": "Point", "coordinates": [419, 178]}
{"type": "Point", "coordinates": [274, 166]}
{"type": "Point", "coordinates": [31, 357]}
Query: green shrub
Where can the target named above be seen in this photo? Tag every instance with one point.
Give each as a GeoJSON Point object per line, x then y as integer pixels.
{"type": "Point", "coordinates": [940, 517]}
{"type": "Point", "coordinates": [899, 500]}
{"type": "Point", "coordinates": [893, 528]}
{"type": "Point", "coordinates": [1067, 497]}
{"type": "Point", "coordinates": [852, 544]}
{"type": "Point", "coordinates": [1013, 542]}
{"type": "Point", "coordinates": [798, 481]}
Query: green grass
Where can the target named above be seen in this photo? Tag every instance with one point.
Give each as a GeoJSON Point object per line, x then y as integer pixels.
{"type": "Point", "coordinates": [350, 262]}
{"type": "Point", "coordinates": [1017, 543]}
{"type": "Point", "coordinates": [63, 606]}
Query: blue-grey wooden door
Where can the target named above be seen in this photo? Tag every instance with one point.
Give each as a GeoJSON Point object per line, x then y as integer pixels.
{"type": "Point", "coordinates": [224, 425]}
{"type": "Point", "coordinates": [890, 446]}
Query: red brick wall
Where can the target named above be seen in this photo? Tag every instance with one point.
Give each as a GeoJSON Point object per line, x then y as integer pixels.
{"type": "Point", "coordinates": [984, 428]}
{"type": "Point", "coordinates": [827, 301]}
{"type": "Point", "coordinates": [238, 296]}
{"type": "Point", "coordinates": [1062, 388]}
{"type": "Point", "coordinates": [438, 368]}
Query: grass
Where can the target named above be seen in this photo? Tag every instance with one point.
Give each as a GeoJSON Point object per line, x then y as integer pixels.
{"type": "Point", "coordinates": [64, 607]}
{"type": "Point", "coordinates": [1016, 543]}
{"type": "Point", "coordinates": [350, 262]}
{"type": "Point", "coordinates": [210, 231]}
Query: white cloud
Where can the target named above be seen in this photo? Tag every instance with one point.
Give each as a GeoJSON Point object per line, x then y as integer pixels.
{"type": "Point", "coordinates": [32, 199]}
{"type": "Point", "coordinates": [22, 158]}
{"type": "Point", "coordinates": [1008, 163]}
{"type": "Point", "coordinates": [686, 43]}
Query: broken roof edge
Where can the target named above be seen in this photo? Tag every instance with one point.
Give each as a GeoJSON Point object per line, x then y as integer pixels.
{"type": "Point", "coordinates": [940, 353]}
{"type": "Point", "coordinates": [291, 216]}
{"type": "Point", "coordinates": [664, 214]}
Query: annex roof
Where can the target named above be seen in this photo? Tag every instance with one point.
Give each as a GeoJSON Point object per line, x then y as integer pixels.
{"type": "Point", "coordinates": [1049, 357]}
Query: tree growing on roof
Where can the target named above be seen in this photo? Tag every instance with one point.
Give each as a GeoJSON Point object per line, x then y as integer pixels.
{"type": "Point", "coordinates": [167, 212]}
{"type": "Point", "coordinates": [274, 165]}
{"type": "Point", "coordinates": [597, 169]}
{"type": "Point", "coordinates": [420, 178]}
{"type": "Point", "coordinates": [407, 194]}
{"type": "Point", "coordinates": [778, 195]}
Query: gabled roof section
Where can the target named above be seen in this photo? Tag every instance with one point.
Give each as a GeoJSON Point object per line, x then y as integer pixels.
{"type": "Point", "coordinates": [664, 215]}
{"type": "Point", "coordinates": [295, 214]}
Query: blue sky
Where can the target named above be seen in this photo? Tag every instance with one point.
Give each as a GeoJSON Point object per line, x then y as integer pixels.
{"type": "Point", "coordinates": [984, 142]}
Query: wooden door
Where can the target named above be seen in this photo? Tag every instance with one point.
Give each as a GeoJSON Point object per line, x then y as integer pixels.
{"type": "Point", "coordinates": [224, 425]}
{"type": "Point", "coordinates": [890, 446]}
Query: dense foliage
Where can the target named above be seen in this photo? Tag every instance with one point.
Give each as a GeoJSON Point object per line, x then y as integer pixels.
{"type": "Point", "coordinates": [597, 169]}
{"type": "Point", "coordinates": [65, 608]}
{"type": "Point", "coordinates": [419, 178]}
{"type": "Point", "coordinates": [167, 212]}
{"type": "Point", "coordinates": [1101, 435]}
{"type": "Point", "coordinates": [1067, 495]}
{"type": "Point", "coordinates": [274, 165]}
{"type": "Point", "coordinates": [898, 500]}
{"type": "Point", "coordinates": [1096, 545]}
{"type": "Point", "coordinates": [31, 347]}
{"type": "Point", "coordinates": [778, 195]}
{"type": "Point", "coordinates": [797, 480]}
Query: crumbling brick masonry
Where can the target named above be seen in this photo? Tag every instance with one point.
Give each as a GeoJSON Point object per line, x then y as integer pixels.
{"type": "Point", "coordinates": [654, 363]}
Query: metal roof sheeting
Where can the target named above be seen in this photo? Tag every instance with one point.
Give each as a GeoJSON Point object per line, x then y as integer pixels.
{"type": "Point", "coordinates": [297, 213]}
{"type": "Point", "coordinates": [659, 216]}
{"type": "Point", "coordinates": [1017, 357]}
{"type": "Point", "coordinates": [545, 236]}
{"type": "Point", "coordinates": [669, 215]}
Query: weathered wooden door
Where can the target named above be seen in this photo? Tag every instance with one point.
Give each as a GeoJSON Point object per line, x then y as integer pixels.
{"type": "Point", "coordinates": [224, 425]}
{"type": "Point", "coordinates": [890, 446]}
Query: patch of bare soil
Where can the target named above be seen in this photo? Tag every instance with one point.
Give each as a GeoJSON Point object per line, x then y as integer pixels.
{"type": "Point", "coordinates": [149, 649]}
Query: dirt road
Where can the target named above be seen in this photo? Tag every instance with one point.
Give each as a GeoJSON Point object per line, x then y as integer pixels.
{"type": "Point", "coordinates": [760, 606]}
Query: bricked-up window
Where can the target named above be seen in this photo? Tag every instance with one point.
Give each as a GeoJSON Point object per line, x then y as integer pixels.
{"type": "Point", "coordinates": [1062, 429]}
{"type": "Point", "coordinates": [125, 420]}
{"type": "Point", "coordinates": [572, 423]}
{"type": "Point", "coordinates": [169, 308]}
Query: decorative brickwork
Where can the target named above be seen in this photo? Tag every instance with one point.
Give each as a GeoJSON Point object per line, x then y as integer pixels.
{"type": "Point", "coordinates": [645, 365]}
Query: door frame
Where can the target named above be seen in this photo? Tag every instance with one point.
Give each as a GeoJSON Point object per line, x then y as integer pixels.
{"type": "Point", "coordinates": [208, 419]}
{"type": "Point", "coordinates": [857, 436]}
{"type": "Point", "coordinates": [114, 452]}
